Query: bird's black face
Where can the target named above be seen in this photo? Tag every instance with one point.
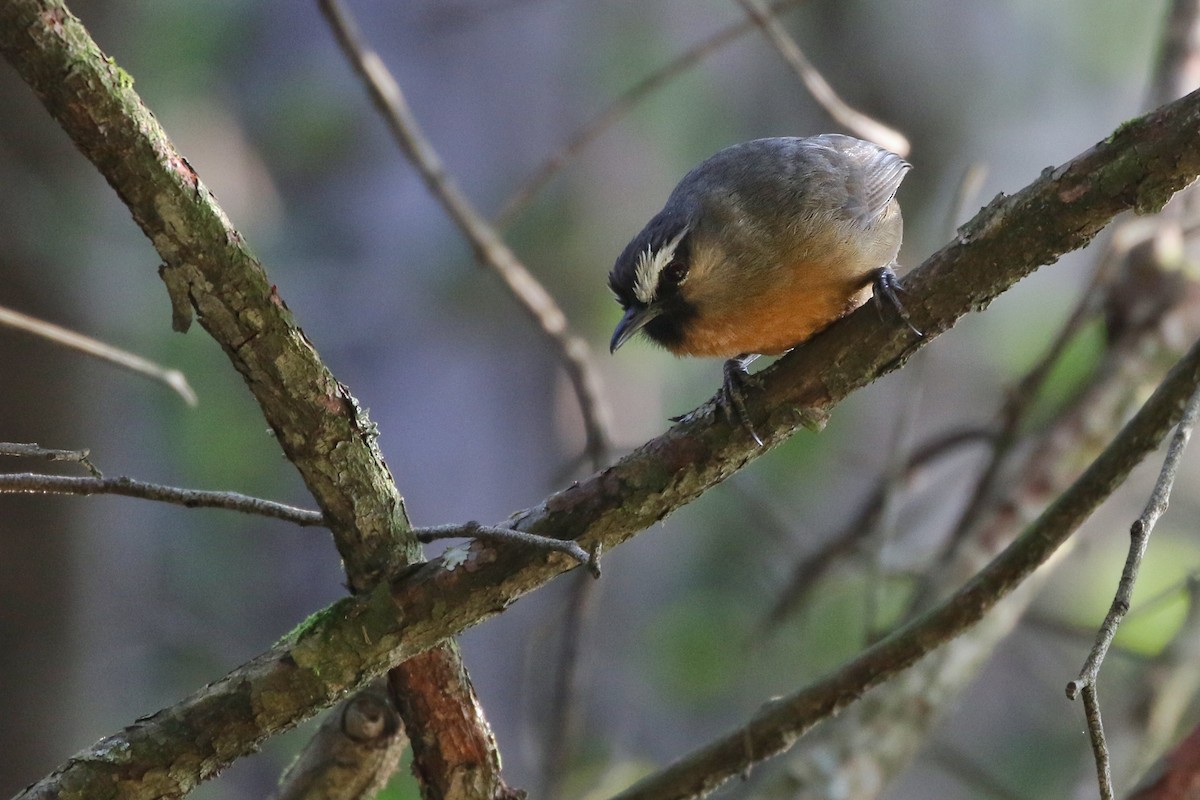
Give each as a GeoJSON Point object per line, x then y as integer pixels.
{"type": "Point", "coordinates": [648, 278]}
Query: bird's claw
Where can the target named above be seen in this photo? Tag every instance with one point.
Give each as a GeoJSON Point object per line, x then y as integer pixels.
{"type": "Point", "coordinates": [732, 399]}
{"type": "Point", "coordinates": [886, 288]}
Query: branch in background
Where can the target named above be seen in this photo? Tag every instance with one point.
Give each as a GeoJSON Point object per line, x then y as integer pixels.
{"type": "Point", "coordinates": [1178, 69]}
{"type": "Point", "coordinates": [782, 721]}
{"type": "Point", "coordinates": [1020, 401]}
{"type": "Point", "coordinates": [173, 378]}
{"type": "Point", "coordinates": [32, 483]}
{"type": "Point", "coordinates": [619, 108]}
{"type": "Point", "coordinates": [851, 119]}
{"type": "Point", "coordinates": [489, 247]}
{"type": "Point", "coordinates": [491, 250]}
{"type": "Point", "coordinates": [565, 711]}
{"type": "Point", "coordinates": [977, 776]}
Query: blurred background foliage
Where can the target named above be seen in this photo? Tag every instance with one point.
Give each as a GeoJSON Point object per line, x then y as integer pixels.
{"type": "Point", "coordinates": [113, 608]}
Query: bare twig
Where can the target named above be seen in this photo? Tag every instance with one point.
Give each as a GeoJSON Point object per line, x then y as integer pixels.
{"type": "Point", "coordinates": [473, 530]}
{"type": "Point", "coordinates": [853, 120]}
{"type": "Point", "coordinates": [33, 483]}
{"type": "Point", "coordinates": [1091, 708]}
{"type": "Point", "coordinates": [491, 250]}
{"type": "Point", "coordinates": [489, 247]}
{"type": "Point", "coordinates": [32, 450]}
{"type": "Point", "coordinates": [618, 108]}
{"type": "Point", "coordinates": [1139, 534]}
{"type": "Point", "coordinates": [173, 378]}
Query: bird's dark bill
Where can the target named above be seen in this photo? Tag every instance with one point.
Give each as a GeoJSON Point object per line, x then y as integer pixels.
{"type": "Point", "coordinates": [634, 320]}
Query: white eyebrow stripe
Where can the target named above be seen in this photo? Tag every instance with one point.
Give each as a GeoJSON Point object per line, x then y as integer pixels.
{"type": "Point", "coordinates": [649, 265]}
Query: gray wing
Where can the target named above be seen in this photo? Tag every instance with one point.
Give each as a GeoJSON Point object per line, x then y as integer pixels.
{"type": "Point", "coordinates": [872, 175]}
{"type": "Point", "coordinates": [755, 180]}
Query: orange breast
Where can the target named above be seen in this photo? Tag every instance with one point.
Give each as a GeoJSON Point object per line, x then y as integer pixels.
{"type": "Point", "coordinates": [771, 322]}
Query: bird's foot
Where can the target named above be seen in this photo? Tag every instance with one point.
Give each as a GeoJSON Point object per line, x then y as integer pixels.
{"type": "Point", "coordinates": [732, 398]}
{"type": "Point", "coordinates": [886, 288]}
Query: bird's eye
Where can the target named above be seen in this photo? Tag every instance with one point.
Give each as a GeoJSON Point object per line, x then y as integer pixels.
{"type": "Point", "coordinates": [674, 273]}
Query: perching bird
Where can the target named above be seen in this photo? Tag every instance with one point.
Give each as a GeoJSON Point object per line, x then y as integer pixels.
{"type": "Point", "coordinates": [760, 247]}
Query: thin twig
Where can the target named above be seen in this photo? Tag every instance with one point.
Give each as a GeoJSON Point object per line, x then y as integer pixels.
{"type": "Point", "coordinates": [173, 378]}
{"type": "Point", "coordinates": [1139, 535]}
{"type": "Point", "coordinates": [473, 530]}
{"type": "Point", "coordinates": [621, 106]}
{"type": "Point", "coordinates": [34, 450]}
{"type": "Point", "coordinates": [853, 120]}
{"type": "Point", "coordinates": [489, 247]}
{"type": "Point", "coordinates": [1091, 708]}
{"type": "Point", "coordinates": [33, 483]}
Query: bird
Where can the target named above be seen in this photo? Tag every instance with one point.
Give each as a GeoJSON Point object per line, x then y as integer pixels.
{"type": "Point", "coordinates": [762, 246]}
